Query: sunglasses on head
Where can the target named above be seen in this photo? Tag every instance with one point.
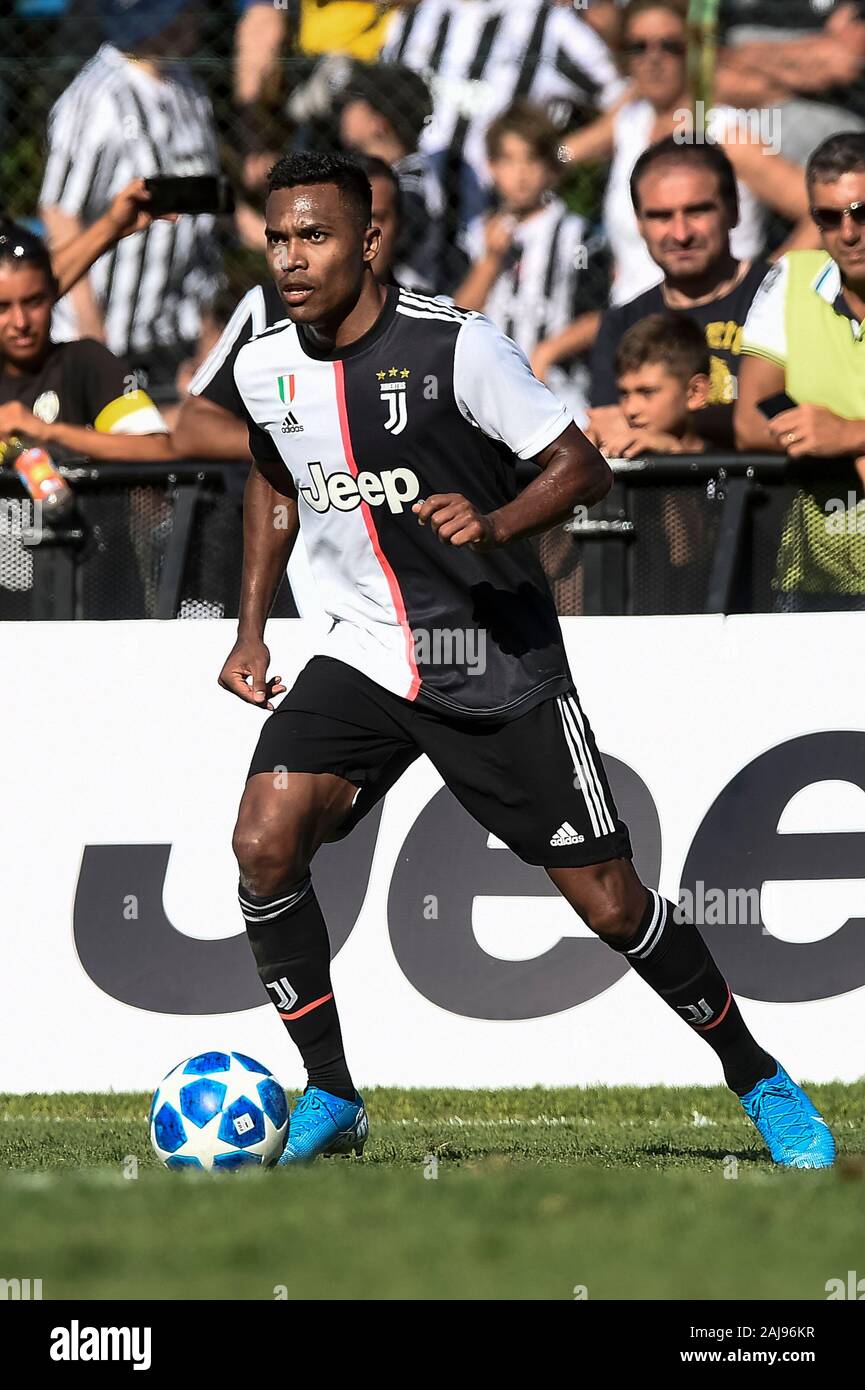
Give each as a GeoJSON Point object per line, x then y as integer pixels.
{"type": "Point", "coordinates": [830, 219]}
{"type": "Point", "coordinates": [640, 47]}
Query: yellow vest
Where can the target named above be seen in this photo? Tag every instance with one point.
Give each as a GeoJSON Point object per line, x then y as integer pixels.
{"type": "Point", "coordinates": [343, 26]}
{"type": "Point", "coordinates": [825, 361]}
{"type": "Point", "coordinates": [822, 549]}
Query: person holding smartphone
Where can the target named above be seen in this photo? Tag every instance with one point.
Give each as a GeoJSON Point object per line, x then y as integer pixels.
{"type": "Point", "coordinates": [135, 110]}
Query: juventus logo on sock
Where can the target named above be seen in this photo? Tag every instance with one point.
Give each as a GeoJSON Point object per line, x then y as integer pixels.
{"type": "Point", "coordinates": [697, 1014]}
{"type": "Point", "coordinates": [285, 996]}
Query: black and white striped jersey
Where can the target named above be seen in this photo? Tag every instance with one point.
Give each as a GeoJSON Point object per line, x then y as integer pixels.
{"type": "Point", "coordinates": [480, 56]}
{"type": "Point", "coordinates": [430, 400]}
{"type": "Point", "coordinates": [553, 271]}
{"type": "Point", "coordinates": [116, 122]}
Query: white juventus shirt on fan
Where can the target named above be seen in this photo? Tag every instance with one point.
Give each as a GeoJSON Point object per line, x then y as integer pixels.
{"type": "Point", "coordinates": [480, 55]}
{"type": "Point", "coordinates": [538, 290]}
{"type": "Point", "coordinates": [116, 122]}
{"type": "Point", "coordinates": [430, 400]}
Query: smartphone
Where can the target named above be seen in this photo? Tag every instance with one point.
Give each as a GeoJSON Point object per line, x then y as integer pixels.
{"type": "Point", "coordinates": [776, 405]}
{"type": "Point", "coordinates": [193, 193]}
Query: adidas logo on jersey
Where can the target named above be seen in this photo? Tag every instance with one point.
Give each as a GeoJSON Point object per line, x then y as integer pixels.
{"type": "Point", "coordinates": [566, 835]}
{"type": "Point", "coordinates": [290, 425]}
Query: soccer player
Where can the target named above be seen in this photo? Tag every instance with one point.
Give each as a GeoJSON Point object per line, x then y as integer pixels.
{"type": "Point", "coordinates": [386, 424]}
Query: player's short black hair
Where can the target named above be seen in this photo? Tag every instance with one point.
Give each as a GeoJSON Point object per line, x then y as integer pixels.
{"type": "Point", "coordinates": [19, 246]}
{"type": "Point", "coordinates": [668, 340]}
{"type": "Point", "coordinates": [671, 152]}
{"type": "Point", "coordinates": [839, 155]}
{"type": "Point", "coordinates": [305, 167]}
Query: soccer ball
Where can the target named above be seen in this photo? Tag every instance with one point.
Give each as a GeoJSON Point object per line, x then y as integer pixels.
{"type": "Point", "coordinates": [219, 1110]}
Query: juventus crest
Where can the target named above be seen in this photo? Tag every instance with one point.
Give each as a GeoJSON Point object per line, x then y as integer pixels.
{"type": "Point", "coordinates": [393, 386]}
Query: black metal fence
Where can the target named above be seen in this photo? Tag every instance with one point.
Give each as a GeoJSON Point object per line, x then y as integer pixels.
{"type": "Point", "coordinates": [719, 533]}
{"type": "Point", "coordinates": [145, 542]}
{"type": "Point", "coordinates": [730, 533]}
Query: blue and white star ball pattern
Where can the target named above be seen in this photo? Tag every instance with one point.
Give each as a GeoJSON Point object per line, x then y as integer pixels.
{"type": "Point", "coordinates": [219, 1111]}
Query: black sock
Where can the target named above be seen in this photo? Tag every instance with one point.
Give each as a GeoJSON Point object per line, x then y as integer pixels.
{"type": "Point", "coordinates": [674, 960]}
{"type": "Point", "coordinates": [289, 940]}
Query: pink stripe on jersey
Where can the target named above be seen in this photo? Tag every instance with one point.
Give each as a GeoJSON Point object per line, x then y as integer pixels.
{"type": "Point", "coordinates": [396, 596]}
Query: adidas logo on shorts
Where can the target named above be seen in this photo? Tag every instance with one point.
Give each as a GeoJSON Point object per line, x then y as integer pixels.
{"type": "Point", "coordinates": [566, 835]}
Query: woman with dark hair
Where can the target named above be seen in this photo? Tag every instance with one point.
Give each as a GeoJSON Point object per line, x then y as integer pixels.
{"type": "Point", "coordinates": [75, 397]}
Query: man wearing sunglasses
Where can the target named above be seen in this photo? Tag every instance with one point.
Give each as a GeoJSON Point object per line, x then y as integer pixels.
{"type": "Point", "coordinates": [805, 336]}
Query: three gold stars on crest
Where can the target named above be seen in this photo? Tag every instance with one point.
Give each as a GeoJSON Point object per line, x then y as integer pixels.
{"type": "Point", "coordinates": [394, 371]}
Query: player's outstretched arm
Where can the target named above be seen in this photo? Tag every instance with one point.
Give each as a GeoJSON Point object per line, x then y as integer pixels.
{"type": "Point", "coordinates": [573, 472]}
{"type": "Point", "coordinates": [270, 527]}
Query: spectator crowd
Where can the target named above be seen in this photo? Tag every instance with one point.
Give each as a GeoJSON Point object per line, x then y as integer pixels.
{"type": "Point", "coordinates": [670, 223]}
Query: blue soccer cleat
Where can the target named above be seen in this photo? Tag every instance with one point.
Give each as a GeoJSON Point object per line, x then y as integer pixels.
{"type": "Point", "coordinates": [322, 1124]}
{"type": "Point", "coordinates": [794, 1130]}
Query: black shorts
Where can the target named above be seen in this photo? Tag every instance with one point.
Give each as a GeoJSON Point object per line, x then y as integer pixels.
{"type": "Point", "coordinates": [537, 782]}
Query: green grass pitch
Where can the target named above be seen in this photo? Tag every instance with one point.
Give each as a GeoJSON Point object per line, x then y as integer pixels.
{"type": "Point", "coordinates": [621, 1192]}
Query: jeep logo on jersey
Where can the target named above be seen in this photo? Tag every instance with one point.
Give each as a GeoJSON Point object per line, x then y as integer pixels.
{"type": "Point", "coordinates": [393, 385]}
{"type": "Point", "coordinates": [395, 487]}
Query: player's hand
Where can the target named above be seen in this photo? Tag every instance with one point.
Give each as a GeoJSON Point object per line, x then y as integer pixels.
{"type": "Point", "coordinates": [811, 431]}
{"type": "Point", "coordinates": [456, 521]}
{"type": "Point", "coordinates": [16, 419]}
{"type": "Point", "coordinates": [245, 674]}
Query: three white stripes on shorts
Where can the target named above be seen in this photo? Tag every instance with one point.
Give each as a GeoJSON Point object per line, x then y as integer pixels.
{"type": "Point", "coordinates": [593, 790]}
